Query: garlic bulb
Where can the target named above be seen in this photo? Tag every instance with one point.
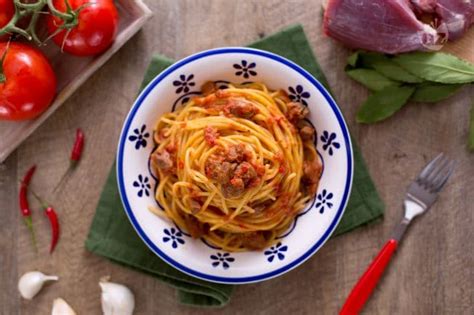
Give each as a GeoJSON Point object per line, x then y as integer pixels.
{"type": "Point", "coordinates": [32, 282]}
{"type": "Point", "coordinates": [116, 298]}
{"type": "Point", "coordinates": [60, 307]}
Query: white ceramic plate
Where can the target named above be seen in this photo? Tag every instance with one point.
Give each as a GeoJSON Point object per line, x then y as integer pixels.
{"type": "Point", "coordinates": [174, 86]}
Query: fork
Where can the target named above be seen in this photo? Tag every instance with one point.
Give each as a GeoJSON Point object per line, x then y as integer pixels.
{"type": "Point", "coordinates": [421, 195]}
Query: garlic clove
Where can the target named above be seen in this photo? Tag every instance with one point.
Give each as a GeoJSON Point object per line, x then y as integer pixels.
{"type": "Point", "coordinates": [116, 299]}
{"type": "Point", "coordinates": [32, 282]}
{"type": "Point", "coordinates": [60, 307]}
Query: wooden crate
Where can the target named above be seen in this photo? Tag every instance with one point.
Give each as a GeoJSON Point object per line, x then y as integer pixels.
{"type": "Point", "coordinates": [72, 71]}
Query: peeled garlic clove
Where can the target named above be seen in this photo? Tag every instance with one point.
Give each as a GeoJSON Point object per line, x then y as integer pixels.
{"type": "Point", "coordinates": [32, 282]}
{"type": "Point", "coordinates": [60, 307]}
{"type": "Point", "coordinates": [116, 299]}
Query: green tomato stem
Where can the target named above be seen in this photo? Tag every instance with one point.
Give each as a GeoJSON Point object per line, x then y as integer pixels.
{"type": "Point", "coordinates": [64, 16]}
{"type": "Point", "coordinates": [3, 78]}
{"type": "Point", "coordinates": [22, 32]}
{"type": "Point", "coordinates": [30, 6]}
{"type": "Point", "coordinates": [69, 19]}
{"type": "Point", "coordinates": [32, 27]}
{"type": "Point", "coordinates": [11, 23]}
{"type": "Point", "coordinates": [11, 27]}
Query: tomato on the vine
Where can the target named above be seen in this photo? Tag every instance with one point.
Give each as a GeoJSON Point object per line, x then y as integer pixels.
{"type": "Point", "coordinates": [7, 10]}
{"type": "Point", "coordinates": [27, 82]}
{"type": "Point", "coordinates": [95, 30]}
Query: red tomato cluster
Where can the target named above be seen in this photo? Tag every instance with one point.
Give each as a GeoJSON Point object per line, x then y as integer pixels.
{"type": "Point", "coordinates": [27, 80]}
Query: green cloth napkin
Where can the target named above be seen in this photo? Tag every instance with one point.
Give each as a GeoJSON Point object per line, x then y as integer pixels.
{"type": "Point", "coordinates": [112, 236]}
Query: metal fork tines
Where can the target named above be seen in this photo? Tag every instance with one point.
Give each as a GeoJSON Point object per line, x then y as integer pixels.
{"type": "Point", "coordinates": [422, 192]}
{"type": "Point", "coordinates": [431, 180]}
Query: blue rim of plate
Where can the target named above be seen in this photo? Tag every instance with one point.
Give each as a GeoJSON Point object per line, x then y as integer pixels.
{"type": "Point", "coordinates": [294, 263]}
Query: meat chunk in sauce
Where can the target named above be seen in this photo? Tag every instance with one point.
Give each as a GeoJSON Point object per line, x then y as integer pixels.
{"type": "Point", "coordinates": [208, 88]}
{"type": "Point", "coordinates": [211, 135]}
{"type": "Point", "coordinates": [311, 173]}
{"type": "Point", "coordinates": [241, 108]}
{"type": "Point", "coordinates": [232, 171]}
{"type": "Point", "coordinates": [246, 172]}
{"type": "Point", "coordinates": [236, 153]}
{"type": "Point", "coordinates": [307, 133]}
{"type": "Point", "coordinates": [219, 170]}
{"type": "Point", "coordinates": [194, 227]}
{"type": "Point", "coordinates": [254, 240]}
{"type": "Point", "coordinates": [162, 160]}
{"type": "Point", "coordinates": [234, 188]}
{"type": "Point", "coordinates": [296, 112]}
{"type": "Point", "coordinates": [222, 93]}
{"type": "Point", "coordinates": [243, 176]}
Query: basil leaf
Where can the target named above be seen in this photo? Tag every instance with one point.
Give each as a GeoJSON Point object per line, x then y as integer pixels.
{"type": "Point", "coordinates": [432, 92]}
{"type": "Point", "coordinates": [471, 129]}
{"type": "Point", "coordinates": [437, 67]}
{"type": "Point", "coordinates": [367, 59]}
{"type": "Point", "coordinates": [393, 71]}
{"type": "Point", "coordinates": [387, 67]}
{"type": "Point", "coordinates": [352, 59]}
{"type": "Point", "coordinates": [384, 103]}
{"type": "Point", "coordinates": [371, 79]}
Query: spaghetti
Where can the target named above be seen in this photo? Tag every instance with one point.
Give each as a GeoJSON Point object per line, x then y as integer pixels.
{"type": "Point", "coordinates": [235, 165]}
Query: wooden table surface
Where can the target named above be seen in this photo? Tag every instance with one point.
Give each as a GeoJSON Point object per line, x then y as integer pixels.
{"type": "Point", "coordinates": [432, 273]}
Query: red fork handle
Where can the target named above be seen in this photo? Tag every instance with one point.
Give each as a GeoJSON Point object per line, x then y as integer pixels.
{"type": "Point", "coordinates": [366, 284]}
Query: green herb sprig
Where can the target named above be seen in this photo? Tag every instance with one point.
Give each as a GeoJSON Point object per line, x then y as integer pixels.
{"type": "Point", "coordinates": [395, 80]}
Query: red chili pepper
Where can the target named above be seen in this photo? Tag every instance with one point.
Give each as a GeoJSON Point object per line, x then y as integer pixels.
{"type": "Point", "coordinates": [53, 221]}
{"type": "Point", "coordinates": [76, 154]}
{"type": "Point", "coordinates": [78, 146]}
{"type": "Point", "coordinates": [24, 205]}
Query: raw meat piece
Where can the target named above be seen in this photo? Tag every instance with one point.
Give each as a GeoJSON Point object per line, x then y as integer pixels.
{"type": "Point", "coordinates": [457, 15]}
{"type": "Point", "coordinates": [387, 26]}
{"type": "Point", "coordinates": [427, 6]}
{"type": "Point", "coordinates": [451, 16]}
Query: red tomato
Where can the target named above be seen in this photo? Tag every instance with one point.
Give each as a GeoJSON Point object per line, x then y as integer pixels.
{"type": "Point", "coordinates": [7, 9]}
{"type": "Point", "coordinates": [95, 31]}
{"type": "Point", "coordinates": [29, 85]}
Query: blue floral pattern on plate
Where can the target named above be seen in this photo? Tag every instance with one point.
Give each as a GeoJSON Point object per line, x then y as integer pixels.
{"type": "Point", "coordinates": [184, 83]}
{"type": "Point", "coordinates": [245, 69]}
{"type": "Point", "coordinates": [323, 199]}
{"type": "Point", "coordinates": [143, 185]}
{"type": "Point", "coordinates": [146, 112]}
{"type": "Point", "coordinates": [298, 94]}
{"type": "Point", "coordinates": [174, 236]}
{"type": "Point", "coordinates": [223, 258]}
{"type": "Point", "coordinates": [277, 250]}
{"type": "Point", "coordinates": [329, 142]}
{"type": "Point", "coordinates": [139, 137]}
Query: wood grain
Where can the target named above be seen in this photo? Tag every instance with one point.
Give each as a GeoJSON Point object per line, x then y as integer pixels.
{"type": "Point", "coordinates": [432, 272]}
{"type": "Point", "coordinates": [463, 47]}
